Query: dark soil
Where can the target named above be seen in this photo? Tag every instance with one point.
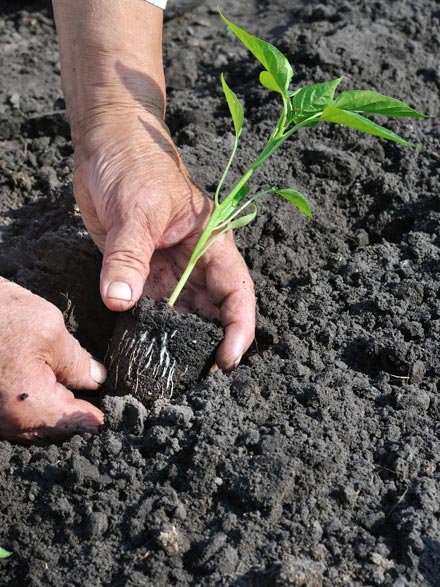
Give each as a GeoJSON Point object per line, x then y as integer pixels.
{"type": "Point", "coordinates": [317, 462]}
{"type": "Point", "coordinates": [157, 353]}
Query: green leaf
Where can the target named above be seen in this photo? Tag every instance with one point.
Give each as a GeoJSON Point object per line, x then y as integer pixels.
{"type": "Point", "coordinates": [243, 220]}
{"type": "Point", "coordinates": [267, 81]}
{"type": "Point", "coordinates": [235, 108]}
{"type": "Point", "coordinates": [4, 553]}
{"type": "Point", "coordinates": [269, 56]}
{"type": "Point", "coordinates": [370, 102]}
{"type": "Point", "coordinates": [296, 198]}
{"type": "Point", "coordinates": [358, 122]}
{"type": "Point", "coordinates": [314, 98]}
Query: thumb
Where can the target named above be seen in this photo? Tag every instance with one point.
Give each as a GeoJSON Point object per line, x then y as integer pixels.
{"type": "Point", "coordinates": [125, 266]}
{"type": "Point", "coordinates": [73, 365]}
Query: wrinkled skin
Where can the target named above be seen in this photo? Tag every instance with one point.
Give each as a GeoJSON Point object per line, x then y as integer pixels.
{"type": "Point", "coordinates": [134, 192]}
{"type": "Point", "coordinates": [147, 223]}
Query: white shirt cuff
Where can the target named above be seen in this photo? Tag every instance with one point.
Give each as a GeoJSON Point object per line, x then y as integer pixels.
{"type": "Point", "coordinates": [159, 3]}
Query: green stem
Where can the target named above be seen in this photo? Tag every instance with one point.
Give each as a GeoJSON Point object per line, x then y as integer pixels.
{"type": "Point", "coordinates": [220, 210]}
{"type": "Point", "coordinates": [182, 281]}
{"type": "Point", "coordinates": [209, 229]}
{"type": "Point", "coordinates": [196, 254]}
{"type": "Point", "coordinates": [239, 211]}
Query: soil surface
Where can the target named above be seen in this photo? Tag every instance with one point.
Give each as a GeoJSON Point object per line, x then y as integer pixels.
{"type": "Point", "coordinates": [317, 462]}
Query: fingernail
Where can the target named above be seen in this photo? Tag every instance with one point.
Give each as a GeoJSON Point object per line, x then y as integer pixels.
{"type": "Point", "coordinates": [214, 368]}
{"type": "Point", "coordinates": [237, 362]}
{"type": "Point", "coordinates": [97, 371]}
{"type": "Point", "coordinates": [119, 290]}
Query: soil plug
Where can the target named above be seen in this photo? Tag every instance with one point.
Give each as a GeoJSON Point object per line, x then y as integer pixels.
{"type": "Point", "coordinates": [157, 353]}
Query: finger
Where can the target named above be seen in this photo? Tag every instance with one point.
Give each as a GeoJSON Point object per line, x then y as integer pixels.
{"type": "Point", "coordinates": [231, 287]}
{"type": "Point", "coordinates": [72, 416]}
{"type": "Point", "coordinates": [47, 410]}
{"type": "Point", "coordinates": [125, 267]}
{"type": "Point", "coordinates": [73, 365]}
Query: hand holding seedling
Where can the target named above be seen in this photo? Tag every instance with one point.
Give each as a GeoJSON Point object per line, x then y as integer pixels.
{"type": "Point", "coordinates": [39, 359]}
{"type": "Point", "coordinates": [135, 195]}
{"type": "Point", "coordinates": [147, 223]}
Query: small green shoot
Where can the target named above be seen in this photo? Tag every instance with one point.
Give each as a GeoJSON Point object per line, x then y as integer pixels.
{"type": "Point", "coordinates": [4, 553]}
{"type": "Point", "coordinates": [302, 108]}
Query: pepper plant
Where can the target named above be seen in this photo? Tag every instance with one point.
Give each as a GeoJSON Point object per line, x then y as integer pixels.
{"type": "Point", "coordinates": [304, 107]}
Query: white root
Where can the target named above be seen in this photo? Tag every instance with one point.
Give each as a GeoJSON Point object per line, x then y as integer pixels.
{"type": "Point", "coordinates": [141, 354]}
{"type": "Point", "coordinates": [170, 382]}
{"type": "Point", "coordinates": [117, 375]}
{"type": "Point", "coordinates": [148, 357]}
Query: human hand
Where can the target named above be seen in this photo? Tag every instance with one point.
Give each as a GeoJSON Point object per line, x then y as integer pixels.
{"type": "Point", "coordinates": [146, 215]}
{"type": "Point", "coordinates": [135, 195]}
{"type": "Point", "coordinates": [38, 359]}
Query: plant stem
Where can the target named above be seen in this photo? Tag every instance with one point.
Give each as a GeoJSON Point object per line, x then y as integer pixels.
{"type": "Point", "coordinates": [221, 214]}
{"type": "Point", "coordinates": [182, 281]}
{"type": "Point", "coordinates": [239, 211]}
{"type": "Point", "coordinates": [196, 254]}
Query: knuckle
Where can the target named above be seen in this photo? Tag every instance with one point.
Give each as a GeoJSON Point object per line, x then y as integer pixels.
{"type": "Point", "coordinates": [54, 321]}
{"type": "Point", "coordinates": [46, 321]}
{"type": "Point", "coordinates": [80, 359]}
{"type": "Point", "coordinates": [132, 259]}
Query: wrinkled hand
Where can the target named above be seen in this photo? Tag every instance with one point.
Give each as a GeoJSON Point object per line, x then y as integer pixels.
{"type": "Point", "coordinates": [134, 193]}
{"type": "Point", "coordinates": [38, 359]}
{"type": "Point", "coordinates": [145, 214]}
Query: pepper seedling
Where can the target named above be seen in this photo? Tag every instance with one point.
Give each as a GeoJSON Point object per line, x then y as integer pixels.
{"type": "Point", "coordinates": [304, 107]}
